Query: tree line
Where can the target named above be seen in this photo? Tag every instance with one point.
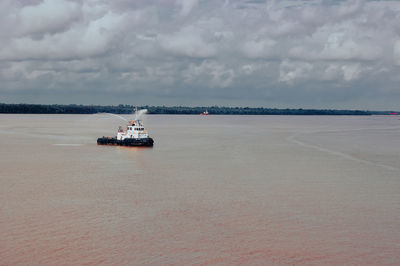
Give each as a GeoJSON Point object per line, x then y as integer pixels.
{"type": "Point", "coordinates": [182, 110]}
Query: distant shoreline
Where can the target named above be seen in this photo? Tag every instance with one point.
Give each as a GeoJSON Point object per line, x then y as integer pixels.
{"type": "Point", "coordinates": [180, 110]}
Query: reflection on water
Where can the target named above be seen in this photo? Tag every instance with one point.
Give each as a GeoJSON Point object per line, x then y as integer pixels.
{"type": "Point", "coordinates": [213, 190]}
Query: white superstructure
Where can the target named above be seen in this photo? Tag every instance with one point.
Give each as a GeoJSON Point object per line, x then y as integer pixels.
{"type": "Point", "coordinates": [134, 130]}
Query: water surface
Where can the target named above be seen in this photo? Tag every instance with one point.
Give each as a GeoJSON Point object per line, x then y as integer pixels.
{"type": "Point", "coordinates": [224, 190]}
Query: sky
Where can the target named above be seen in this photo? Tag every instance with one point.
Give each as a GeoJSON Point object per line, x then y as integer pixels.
{"type": "Point", "coordinates": [278, 54]}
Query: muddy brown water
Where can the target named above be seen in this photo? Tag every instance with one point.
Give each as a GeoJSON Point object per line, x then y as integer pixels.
{"type": "Point", "coordinates": [214, 190]}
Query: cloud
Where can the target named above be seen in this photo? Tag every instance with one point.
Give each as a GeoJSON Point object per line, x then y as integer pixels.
{"type": "Point", "coordinates": [165, 52]}
{"type": "Point", "coordinates": [290, 71]}
{"type": "Point", "coordinates": [75, 43]}
{"type": "Point", "coordinates": [48, 17]}
{"type": "Point", "coordinates": [187, 42]}
{"type": "Point", "coordinates": [396, 52]}
{"type": "Point", "coordinates": [351, 72]}
{"type": "Point", "coordinates": [212, 73]}
{"type": "Point", "coordinates": [260, 49]}
{"type": "Point", "coordinates": [187, 6]}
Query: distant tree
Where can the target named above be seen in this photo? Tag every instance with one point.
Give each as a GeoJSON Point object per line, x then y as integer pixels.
{"type": "Point", "coordinates": [214, 110]}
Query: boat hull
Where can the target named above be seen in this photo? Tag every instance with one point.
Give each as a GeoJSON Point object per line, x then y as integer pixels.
{"type": "Point", "coordinates": [143, 142]}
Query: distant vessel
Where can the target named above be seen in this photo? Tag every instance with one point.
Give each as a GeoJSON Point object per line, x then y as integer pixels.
{"type": "Point", "coordinates": [135, 135]}
{"type": "Point", "coordinates": [204, 113]}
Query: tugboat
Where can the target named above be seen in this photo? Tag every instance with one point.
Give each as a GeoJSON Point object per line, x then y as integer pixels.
{"type": "Point", "coordinates": [204, 113]}
{"type": "Point", "coordinates": [135, 135]}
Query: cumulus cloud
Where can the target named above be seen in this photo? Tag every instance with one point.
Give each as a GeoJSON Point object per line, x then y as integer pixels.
{"type": "Point", "coordinates": [164, 52]}
{"type": "Point", "coordinates": [214, 74]}
{"type": "Point", "coordinates": [187, 6]}
{"type": "Point", "coordinates": [187, 42]}
{"type": "Point", "coordinates": [48, 17]}
{"type": "Point", "coordinates": [260, 49]}
{"type": "Point", "coordinates": [396, 52]}
{"type": "Point", "coordinates": [47, 35]}
{"type": "Point", "coordinates": [290, 71]}
{"type": "Point", "coordinates": [351, 72]}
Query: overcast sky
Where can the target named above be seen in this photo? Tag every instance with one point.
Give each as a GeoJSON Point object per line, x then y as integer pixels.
{"type": "Point", "coordinates": [309, 54]}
